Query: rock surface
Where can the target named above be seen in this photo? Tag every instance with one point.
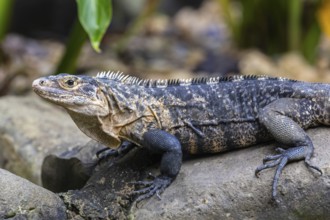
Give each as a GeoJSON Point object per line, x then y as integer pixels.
{"type": "Point", "coordinates": [106, 195]}
{"type": "Point", "coordinates": [30, 129]}
{"type": "Point", "coordinates": [208, 187]}
{"type": "Point", "coordinates": [224, 187]}
{"type": "Point", "coordinates": [69, 169]}
{"type": "Point", "coordinates": [21, 199]}
{"type": "Point", "coordinates": [214, 187]}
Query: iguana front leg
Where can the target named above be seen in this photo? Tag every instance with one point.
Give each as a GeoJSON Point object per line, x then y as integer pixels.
{"type": "Point", "coordinates": [123, 149]}
{"type": "Point", "coordinates": [169, 146]}
{"type": "Point", "coordinates": [284, 119]}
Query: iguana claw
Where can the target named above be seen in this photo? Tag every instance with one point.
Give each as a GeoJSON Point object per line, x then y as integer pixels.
{"type": "Point", "coordinates": [281, 159]}
{"type": "Point", "coordinates": [156, 186]}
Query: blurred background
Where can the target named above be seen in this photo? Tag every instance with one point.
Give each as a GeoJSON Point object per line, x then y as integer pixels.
{"type": "Point", "coordinates": [163, 39]}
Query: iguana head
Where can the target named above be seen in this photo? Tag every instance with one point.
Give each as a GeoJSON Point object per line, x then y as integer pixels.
{"type": "Point", "coordinates": [80, 94]}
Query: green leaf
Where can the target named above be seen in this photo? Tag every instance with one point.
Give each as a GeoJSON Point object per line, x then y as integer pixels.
{"type": "Point", "coordinates": [5, 14]}
{"type": "Point", "coordinates": [95, 17]}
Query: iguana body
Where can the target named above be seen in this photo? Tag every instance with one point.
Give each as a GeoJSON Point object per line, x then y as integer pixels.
{"type": "Point", "coordinates": [193, 116]}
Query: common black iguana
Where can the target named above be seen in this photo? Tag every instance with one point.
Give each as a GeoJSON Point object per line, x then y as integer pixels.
{"type": "Point", "coordinates": [194, 116]}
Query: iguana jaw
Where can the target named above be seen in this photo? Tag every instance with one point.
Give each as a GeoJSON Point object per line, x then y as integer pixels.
{"type": "Point", "coordinates": [81, 97]}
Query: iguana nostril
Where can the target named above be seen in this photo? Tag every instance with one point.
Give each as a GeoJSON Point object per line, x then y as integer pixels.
{"type": "Point", "coordinates": [42, 82]}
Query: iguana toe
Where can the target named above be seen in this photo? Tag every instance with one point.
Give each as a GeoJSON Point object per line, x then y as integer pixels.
{"type": "Point", "coordinates": [156, 186]}
{"type": "Point", "coordinates": [280, 160]}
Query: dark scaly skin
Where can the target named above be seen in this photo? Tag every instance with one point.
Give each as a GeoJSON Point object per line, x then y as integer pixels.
{"type": "Point", "coordinates": [190, 117]}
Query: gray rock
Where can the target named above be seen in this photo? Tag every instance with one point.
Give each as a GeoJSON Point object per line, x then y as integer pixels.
{"type": "Point", "coordinates": [224, 187]}
{"type": "Point", "coordinates": [220, 186]}
{"type": "Point", "coordinates": [70, 169]}
{"type": "Point", "coordinates": [21, 199]}
{"type": "Point", "coordinates": [106, 195]}
{"type": "Point", "coordinates": [30, 129]}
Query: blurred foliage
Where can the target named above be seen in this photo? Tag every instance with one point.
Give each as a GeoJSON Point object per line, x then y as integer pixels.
{"type": "Point", "coordinates": [5, 13]}
{"type": "Point", "coordinates": [274, 26]}
{"type": "Point", "coordinates": [324, 17]}
{"type": "Point", "coordinates": [149, 9]}
{"type": "Point", "coordinates": [73, 47]}
{"type": "Point", "coordinates": [94, 17]}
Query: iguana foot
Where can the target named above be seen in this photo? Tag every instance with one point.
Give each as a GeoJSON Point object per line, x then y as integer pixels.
{"type": "Point", "coordinates": [281, 159]}
{"type": "Point", "coordinates": [156, 186]}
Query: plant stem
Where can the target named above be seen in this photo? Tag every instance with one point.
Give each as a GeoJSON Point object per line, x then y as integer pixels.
{"type": "Point", "coordinates": [311, 40]}
{"type": "Point", "coordinates": [74, 44]}
{"type": "Point", "coordinates": [5, 14]}
{"type": "Point", "coordinates": [295, 7]}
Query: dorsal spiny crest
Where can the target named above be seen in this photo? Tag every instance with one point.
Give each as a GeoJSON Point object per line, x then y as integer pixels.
{"type": "Point", "coordinates": [212, 80]}
{"type": "Point", "coordinates": [262, 78]}
{"type": "Point", "coordinates": [110, 74]}
{"type": "Point", "coordinates": [282, 79]}
{"type": "Point", "coordinates": [237, 78]}
{"type": "Point", "coordinates": [144, 82]}
{"type": "Point", "coordinates": [162, 83]}
{"type": "Point", "coordinates": [185, 82]}
{"type": "Point", "coordinates": [125, 77]}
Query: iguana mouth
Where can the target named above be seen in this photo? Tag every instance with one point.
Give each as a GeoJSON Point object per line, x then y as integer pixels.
{"type": "Point", "coordinates": [39, 86]}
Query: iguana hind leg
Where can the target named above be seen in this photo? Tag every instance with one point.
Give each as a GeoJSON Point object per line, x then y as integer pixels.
{"type": "Point", "coordinates": [284, 120]}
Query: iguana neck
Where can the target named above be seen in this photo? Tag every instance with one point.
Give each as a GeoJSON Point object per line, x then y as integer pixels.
{"type": "Point", "coordinates": [93, 127]}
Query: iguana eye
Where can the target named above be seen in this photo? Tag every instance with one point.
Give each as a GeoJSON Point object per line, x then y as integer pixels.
{"type": "Point", "coordinates": [70, 82]}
